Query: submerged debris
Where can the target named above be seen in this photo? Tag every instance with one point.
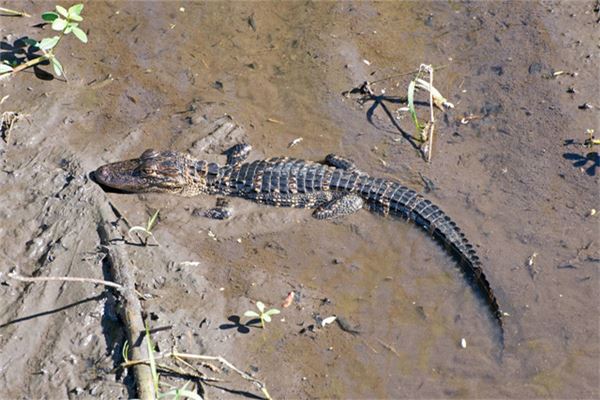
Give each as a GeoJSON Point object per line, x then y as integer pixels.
{"type": "Point", "coordinates": [530, 265]}
{"type": "Point", "coordinates": [295, 142]}
{"type": "Point", "coordinates": [288, 300]}
{"type": "Point", "coordinates": [7, 120]}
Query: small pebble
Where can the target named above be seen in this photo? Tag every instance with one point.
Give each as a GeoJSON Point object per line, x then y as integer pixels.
{"type": "Point", "coordinates": [463, 343]}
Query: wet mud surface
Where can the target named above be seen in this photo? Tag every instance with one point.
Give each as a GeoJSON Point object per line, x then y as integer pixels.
{"type": "Point", "coordinates": [516, 178]}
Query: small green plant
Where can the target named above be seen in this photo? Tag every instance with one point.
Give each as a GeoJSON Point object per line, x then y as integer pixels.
{"type": "Point", "coordinates": [151, 358]}
{"type": "Point", "coordinates": [425, 130]}
{"type": "Point", "coordinates": [174, 392]}
{"type": "Point", "coordinates": [146, 230]}
{"type": "Point", "coordinates": [591, 141]}
{"type": "Point", "coordinates": [265, 316]}
{"type": "Point", "coordinates": [66, 22]}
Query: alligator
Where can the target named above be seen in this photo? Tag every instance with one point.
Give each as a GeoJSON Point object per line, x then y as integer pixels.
{"type": "Point", "coordinates": [333, 188]}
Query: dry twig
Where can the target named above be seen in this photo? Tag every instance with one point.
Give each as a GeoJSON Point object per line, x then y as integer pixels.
{"type": "Point", "coordinates": [14, 274]}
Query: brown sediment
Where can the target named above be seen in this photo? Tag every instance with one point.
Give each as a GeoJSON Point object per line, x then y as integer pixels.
{"type": "Point", "coordinates": [517, 179]}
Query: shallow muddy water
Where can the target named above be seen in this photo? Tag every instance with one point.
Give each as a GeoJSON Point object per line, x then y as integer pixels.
{"type": "Point", "coordinates": [516, 178]}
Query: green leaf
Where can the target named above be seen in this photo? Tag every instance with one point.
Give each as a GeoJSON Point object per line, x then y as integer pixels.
{"type": "Point", "coordinates": [273, 311]}
{"type": "Point", "coordinates": [152, 360]}
{"type": "Point", "coordinates": [59, 24]}
{"type": "Point", "coordinates": [74, 17]}
{"type": "Point", "coordinates": [411, 105]}
{"type": "Point", "coordinates": [5, 68]}
{"type": "Point", "coordinates": [179, 393]}
{"type": "Point", "coordinates": [69, 28]}
{"type": "Point", "coordinates": [266, 317]}
{"type": "Point", "coordinates": [125, 351]}
{"type": "Point", "coordinates": [189, 394]}
{"type": "Point", "coordinates": [48, 43]}
{"type": "Point", "coordinates": [260, 305]}
{"type": "Point", "coordinates": [49, 16]}
{"type": "Point", "coordinates": [154, 216]}
{"type": "Point", "coordinates": [75, 9]}
{"type": "Point", "coordinates": [139, 229]}
{"type": "Point", "coordinates": [251, 314]}
{"type": "Point", "coordinates": [58, 69]}
{"type": "Point", "coordinates": [62, 11]}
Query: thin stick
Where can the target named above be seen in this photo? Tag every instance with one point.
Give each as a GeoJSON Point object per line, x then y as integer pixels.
{"type": "Point", "coordinates": [388, 347]}
{"type": "Point", "coordinates": [15, 275]}
{"type": "Point", "coordinates": [406, 73]}
{"type": "Point", "coordinates": [28, 64]}
{"type": "Point", "coordinates": [432, 124]}
{"type": "Point", "coordinates": [15, 13]}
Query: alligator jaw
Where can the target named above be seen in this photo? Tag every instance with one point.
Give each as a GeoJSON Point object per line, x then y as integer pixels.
{"type": "Point", "coordinates": [153, 172]}
{"type": "Point", "coordinates": [121, 176]}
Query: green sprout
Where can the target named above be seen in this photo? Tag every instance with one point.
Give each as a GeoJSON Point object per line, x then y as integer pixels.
{"type": "Point", "coordinates": [64, 21]}
{"type": "Point", "coordinates": [146, 230]}
{"type": "Point", "coordinates": [591, 141]}
{"type": "Point", "coordinates": [265, 316]}
{"type": "Point", "coordinates": [174, 392]}
{"type": "Point", "coordinates": [153, 369]}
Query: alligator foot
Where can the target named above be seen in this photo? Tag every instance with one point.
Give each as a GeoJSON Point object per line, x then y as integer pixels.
{"type": "Point", "coordinates": [221, 211]}
{"type": "Point", "coordinates": [339, 207]}
{"type": "Point", "coordinates": [341, 162]}
{"type": "Point", "coordinates": [238, 153]}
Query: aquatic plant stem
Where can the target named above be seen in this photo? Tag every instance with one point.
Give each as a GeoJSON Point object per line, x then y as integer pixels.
{"type": "Point", "coordinates": [46, 56]}
{"type": "Point", "coordinates": [15, 13]}
{"type": "Point", "coordinates": [429, 69]}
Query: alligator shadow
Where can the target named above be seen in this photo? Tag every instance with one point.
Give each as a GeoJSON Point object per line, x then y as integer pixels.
{"type": "Point", "coordinates": [580, 161]}
{"type": "Point", "coordinates": [20, 52]}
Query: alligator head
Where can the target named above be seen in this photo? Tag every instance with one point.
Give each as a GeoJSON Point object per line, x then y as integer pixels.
{"type": "Point", "coordinates": [153, 171]}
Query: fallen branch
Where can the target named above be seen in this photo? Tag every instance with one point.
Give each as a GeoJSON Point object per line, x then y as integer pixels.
{"type": "Point", "coordinates": [7, 121]}
{"type": "Point", "coordinates": [131, 310]}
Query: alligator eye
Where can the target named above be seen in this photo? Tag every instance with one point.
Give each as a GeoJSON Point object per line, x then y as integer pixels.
{"type": "Point", "coordinates": [150, 153]}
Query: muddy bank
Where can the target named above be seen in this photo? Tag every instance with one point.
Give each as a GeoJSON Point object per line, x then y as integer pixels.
{"type": "Point", "coordinates": [516, 178]}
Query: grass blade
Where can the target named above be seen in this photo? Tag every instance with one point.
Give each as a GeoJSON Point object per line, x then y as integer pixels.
{"type": "Point", "coordinates": [151, 359]}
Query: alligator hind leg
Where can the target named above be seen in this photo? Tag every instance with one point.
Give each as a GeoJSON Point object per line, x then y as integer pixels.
{"type": "Point", "coordinates": [339, 207]}
{"type": "Point", "coordinates": [237, 154]}
{"type": "Point", "coordinates": [221, 211]}
{"type": "Point", "coordinates": [340, 162]}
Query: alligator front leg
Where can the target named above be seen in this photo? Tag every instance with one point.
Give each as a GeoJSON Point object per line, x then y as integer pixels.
{"type": "Point", "coordinates": [339, 207]}
{"type": "Point", "coordinates": [237, 154]}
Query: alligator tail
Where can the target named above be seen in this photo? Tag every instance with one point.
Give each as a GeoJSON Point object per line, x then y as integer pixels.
{"type": "Point", "coordinates": [408, 204]}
